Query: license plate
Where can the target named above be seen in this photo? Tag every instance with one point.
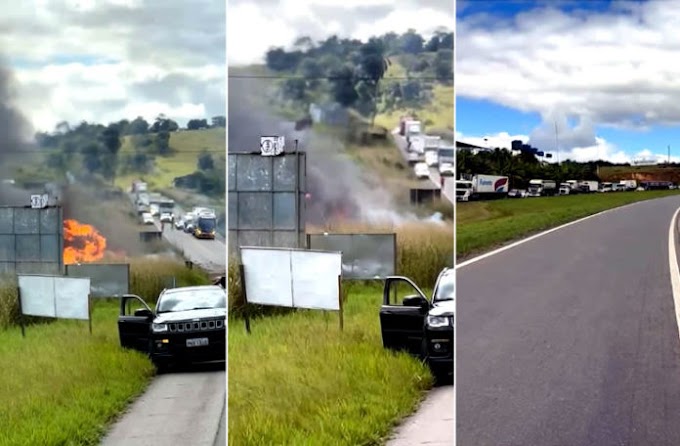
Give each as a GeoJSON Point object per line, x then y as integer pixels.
{"type": "Point", "coordinates": [197, 342]}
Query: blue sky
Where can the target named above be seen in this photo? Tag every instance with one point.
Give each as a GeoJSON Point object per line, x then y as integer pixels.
{"type": "Point", "coordinates": [598, 70]}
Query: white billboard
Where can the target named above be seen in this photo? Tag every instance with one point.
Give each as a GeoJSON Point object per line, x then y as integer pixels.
{"type": "Point", "coordinates": [54, 296]}
{"type": "Point", "coordinates": [292, 277]}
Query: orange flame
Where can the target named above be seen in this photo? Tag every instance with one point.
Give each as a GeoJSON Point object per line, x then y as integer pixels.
{"type": "Point", "coordinates": [82, 243]}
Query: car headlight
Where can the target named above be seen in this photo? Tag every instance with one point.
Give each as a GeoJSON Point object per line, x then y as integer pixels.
{"type": "Point", "coordinates": [437, 321]}
{"type": "Point", "coordinates": [159, 328]}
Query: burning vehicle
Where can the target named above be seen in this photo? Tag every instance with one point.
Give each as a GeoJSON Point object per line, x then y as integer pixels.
{"type": "Point", "coordinates": [82, 243]}
{"type": "Point", "coordinates": [188, 325]}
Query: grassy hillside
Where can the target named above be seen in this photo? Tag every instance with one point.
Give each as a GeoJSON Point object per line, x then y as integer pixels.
{"type": "Point", "coordinates": [437, 116]}
{"type": "Point", "coordinates": [641, 173]}
{"type": "Point", "coordinates": [187, 146]}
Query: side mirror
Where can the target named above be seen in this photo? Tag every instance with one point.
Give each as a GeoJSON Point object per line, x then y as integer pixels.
{"type": "Point", "coordinates": [143, 312]}
{"type": "Point", "coordinates": [415, 300]}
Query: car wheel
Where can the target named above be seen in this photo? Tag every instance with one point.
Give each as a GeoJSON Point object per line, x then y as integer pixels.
{"type": "Point", "coordinates": [162, 366]}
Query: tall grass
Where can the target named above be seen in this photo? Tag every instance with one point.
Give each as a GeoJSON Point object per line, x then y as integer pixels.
{"type": "Point", "coordinates": [423, 250]}
{"type": "Point", "coordinates": [299, 380]}
{"type": "Point", "coordinates": [148, 277]}
{"type": "Point", "coordinates": [62, 385]}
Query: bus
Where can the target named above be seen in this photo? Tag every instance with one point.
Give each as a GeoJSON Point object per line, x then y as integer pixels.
{"type": "Point", "coordinates": [206, 224]}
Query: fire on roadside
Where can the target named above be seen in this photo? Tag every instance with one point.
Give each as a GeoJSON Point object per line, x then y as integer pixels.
{"type": "Point", "coordinates": [82, 243]}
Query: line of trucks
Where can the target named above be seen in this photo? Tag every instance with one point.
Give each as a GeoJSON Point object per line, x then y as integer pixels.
{"type": "Point", "coordinates": [481, 187]}
{"type": "Point", "coordinates": [426, 151]}
{"type": "Point", "coordinates": [200, 222]}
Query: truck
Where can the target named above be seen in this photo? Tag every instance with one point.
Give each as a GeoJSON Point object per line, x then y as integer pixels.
{"type": "Point", "coordinates": [542, 188]}
{"type": "Point", "coordinates": [490, 186]}
{"type": "Point", "coordinates": [569, 187]}
{"type": "Point", "coordinates": [589, 186]}
{"type": "Point", "coordinates": [139, 186]}
{"type": "Point", "coordinates": [605, 187]}
{"type": "Point", "coordinates": [464, 190]}
{"type": "Point", "coordinates": [482, 187]}
{"type": "Point", "coordinates": [416, 144]}
{"type": "Point", "coordinates": [412, 128]}
{"type": "Point", "coordinates": [402, 124]}
{"type": "Point", "coordinates": [446, 159]}
{"type": "Point", "coordinates": [629, 184]}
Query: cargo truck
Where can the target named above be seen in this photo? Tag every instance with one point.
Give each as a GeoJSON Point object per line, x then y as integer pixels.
{"type": "Point", "coordinates": [542, 188]}
{"type": "Point", "coordinates": [482, 187]}
{"type": "Point", "coordinates": [629, 184]}
{"type": "Point", "coordinates": [589, 186]}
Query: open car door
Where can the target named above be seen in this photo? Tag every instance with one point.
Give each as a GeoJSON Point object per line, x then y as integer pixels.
{"type": "Point", "coordinates": [134, 327]}
{"type": "Point", "coordinates": [402, 315]}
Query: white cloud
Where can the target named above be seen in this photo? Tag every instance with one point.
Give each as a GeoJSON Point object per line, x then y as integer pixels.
{"type": "Point", "coordinates": [614, 68]}
{"type": "Point", "coordinates": [106, 60]}
{"type": "Point", "coordinates": [254, 27]}
{"type": "Point", "coordinates": [600, 150]}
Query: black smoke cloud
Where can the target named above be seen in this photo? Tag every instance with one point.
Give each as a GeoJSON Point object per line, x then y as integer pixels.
{"type": "Point", "coordinates": [14, 148]}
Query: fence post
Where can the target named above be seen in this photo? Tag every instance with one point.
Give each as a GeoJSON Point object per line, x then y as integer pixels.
{"type": "Point", "coordinates": [342, 319]}
{"type": "Point", "coordinates": [244, 295]}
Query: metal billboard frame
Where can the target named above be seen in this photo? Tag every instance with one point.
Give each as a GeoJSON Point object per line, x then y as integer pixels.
{"type": "Point", "coordinates": [60, 268]}
{"type": "Point", "coordinates": [352, 234]}
{"type": "Point", "coordinates": [298, 189]}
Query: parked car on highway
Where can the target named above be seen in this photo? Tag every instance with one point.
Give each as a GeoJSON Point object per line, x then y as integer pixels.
{"type": "Point", "coordinates": [166, 217]}
{"type": "Point", "coordinates": [147, 218]}
{"type": "Point", "coordinates": [517, 193]}
{"type": "Point", "coordinates": [179, 223]}
{"type": "Point", "coordinates": [421, 171]}
{"type": "Point", "coordinates": [186, 326]}
{"type": "Point", "coordinates": [421, 326]}
{"type": "Point", "coordinates": [446, 169]}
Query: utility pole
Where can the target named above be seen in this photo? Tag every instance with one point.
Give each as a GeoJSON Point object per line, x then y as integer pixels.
{"type": "Point", "coordinates": [557, 144]}
{"type": "Point", "coordinates": [669, 154]}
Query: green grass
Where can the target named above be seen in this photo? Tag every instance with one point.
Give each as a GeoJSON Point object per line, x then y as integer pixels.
{"type": "Point", "coordinates": [483, 225]}
{"type": "Point", "coordinates": [298, 380]}
{"type": "Point", "coordinates": [186, 146]}
{"type": "Point", "coordinates": [437, 116]}
{"type": "Point", "coordinates": [61, 386]}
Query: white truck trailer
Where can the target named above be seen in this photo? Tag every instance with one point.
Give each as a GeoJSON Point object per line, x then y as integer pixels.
{"type": "Point", "coordinates": [542, 188]}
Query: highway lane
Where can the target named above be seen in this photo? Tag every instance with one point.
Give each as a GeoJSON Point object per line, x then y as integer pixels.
{"type": "Point", "coordinates": [186, 408]}
{"type": "Point", "coordinates": [448, 189]}
{"type": "Point", "coordinates": [571, 339]}
{"type": "Point", "coordinates": [208, 254]}
{"type": "Point", "coordinates": [432, 424]}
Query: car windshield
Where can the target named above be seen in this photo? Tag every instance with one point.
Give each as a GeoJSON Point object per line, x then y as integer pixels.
{"type": "Point", "coordinates": [445, 290]}
{"type": "Point", "coordinates": [192, 299]}
{"type": "Point", "coordinates": [206, 224]}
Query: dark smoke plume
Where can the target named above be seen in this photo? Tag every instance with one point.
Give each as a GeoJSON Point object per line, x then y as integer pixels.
{"type": "Point", "coordinates": [14, 148]}
{"type": "Point", "coordinates": [336, 185]}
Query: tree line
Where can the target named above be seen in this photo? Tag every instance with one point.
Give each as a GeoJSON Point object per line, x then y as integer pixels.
{"type": "Point", "coordinates": [526, 166]}
{"type": "Point", "coordinates": [349, 71]}
{"type": "Point", "coordinates": [93, 150]}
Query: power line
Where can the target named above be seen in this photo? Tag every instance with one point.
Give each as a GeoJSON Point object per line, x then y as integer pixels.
{"type": "Point", "coordinates": [330, 78]}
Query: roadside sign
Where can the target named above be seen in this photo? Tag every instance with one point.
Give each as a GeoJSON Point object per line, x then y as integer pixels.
{"type": "Point", "coordinates": [271, 145]}
{"type": "Point", "coordinates": [39, 201]}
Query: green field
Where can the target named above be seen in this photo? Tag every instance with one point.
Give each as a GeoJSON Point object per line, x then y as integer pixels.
{"type": "Point", "coordinates": [481, 226]}
{"type": "Point", "coordinates": [298, 380]}
{"type": "Point", "coordinates": [187, 146]}
{"type": "Point", "coordinates": [62, 385]}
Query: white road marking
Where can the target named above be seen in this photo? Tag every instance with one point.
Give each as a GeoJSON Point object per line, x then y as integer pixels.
{"type": "Point", "coordinates": [541, 234]}
{"type": "Point", "coordinates": [674, 269]}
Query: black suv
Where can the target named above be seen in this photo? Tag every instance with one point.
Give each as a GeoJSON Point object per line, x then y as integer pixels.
{"type": "Point", "coordinates": [188, 325]}
{"type": "Point", "coordinates": [421, 326]}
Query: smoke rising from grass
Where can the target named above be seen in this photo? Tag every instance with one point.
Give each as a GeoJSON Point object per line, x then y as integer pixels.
{"type": "Point", "coordinates": [336, 186]}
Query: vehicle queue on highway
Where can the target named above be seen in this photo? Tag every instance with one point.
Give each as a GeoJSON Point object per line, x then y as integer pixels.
{"type": "Point", "coordinates": [481, 187]}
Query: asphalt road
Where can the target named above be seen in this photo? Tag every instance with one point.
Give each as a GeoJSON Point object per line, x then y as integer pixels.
{"type": "Point", "coordinates": [208, 254]}
{"type": "Point", "coordinates": [432, 424]}
{"type": "Point", "coordinates": [186, 408]}
{"type": "Point", "coordinates": [571, 339]}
